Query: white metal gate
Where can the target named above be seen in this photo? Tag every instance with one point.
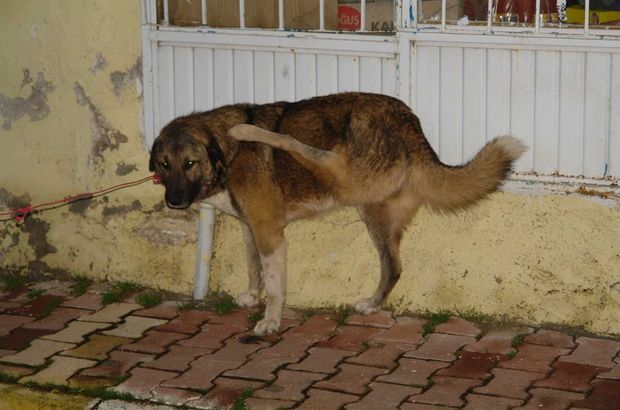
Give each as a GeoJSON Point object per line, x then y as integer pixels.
{"type": "Point", "coordinates": [560, 94]}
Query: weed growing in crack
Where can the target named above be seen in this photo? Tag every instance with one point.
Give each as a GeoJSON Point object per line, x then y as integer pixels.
{"type": "Point", "coordinates": [342, 314]}
{"type": "Point", "coordinates": [34, 293]}
{"type": "Point", "coordinates": [149, 299]}
{"type": "Point", "coordinates": [222, 303]}
{"type": "Point", "coordinates": [81, 285]}
{"type": "Point", "coordinates": [13, 282]}
{"type": "Point", "coordinates": [240, 403]}
{"type": "Point", "coordinates": [435, 320]}
{"type": "Point", "coordinates": [120, 291]}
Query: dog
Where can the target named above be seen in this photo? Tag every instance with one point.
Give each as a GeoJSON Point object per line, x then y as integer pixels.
{"type": "Point", "coordinates": [271, 164]}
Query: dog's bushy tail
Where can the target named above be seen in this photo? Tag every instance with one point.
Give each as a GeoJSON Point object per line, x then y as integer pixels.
{"type": "Point", "coordinates": [445, 188]}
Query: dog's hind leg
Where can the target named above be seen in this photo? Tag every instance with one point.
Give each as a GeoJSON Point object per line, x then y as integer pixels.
{"type": "Point", "coordinates": [313, 158]}
{"type": "Point", "coordinates": [252, 296]}
{"type": "Point", "coordinates": [386, 222]}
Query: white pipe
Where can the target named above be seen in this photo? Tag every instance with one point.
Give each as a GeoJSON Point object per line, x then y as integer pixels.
{"type": "Point", "coordinates": [363, 15]}
{"type": "Point", "coordinates": [203, 10]}
{"type": "Point", "coordinates": [241, 13]}
{"type": "Point", "coordinates": [204, 248]}
{"type": "Point", "coordinates": [281, 14]}
{"type": "Point", "coordinates": [322, 15]}
{"type": "Point", "coordinates": [586, 18]}
{"type": "Point", "coordinates": [166, 13]}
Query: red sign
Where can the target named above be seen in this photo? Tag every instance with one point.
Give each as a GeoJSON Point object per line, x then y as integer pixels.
{"type": "Point", "coordinates": [349, 18]}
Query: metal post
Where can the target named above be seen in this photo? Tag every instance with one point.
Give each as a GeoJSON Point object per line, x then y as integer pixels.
{"type": "Point", "coordinates": [537, 21]}
{"type": "Point", "coordinates": [443, 15]}
{"type": "Point", "coordinates": [281, 14]}
{"type": "Point", "coordinates": [586, 19]}
{"type": "Point", "coordinates": [204, 249]}
{"type": "Point", "coordinates": [322, 15]}
{"type": "Point", "coordinates": [489, 16]}
{"type": "Point", "coordinates": [203, 9]}
{"type": "Point", "coordinates": [241, 13]}
{"type": "Point", "coordinates": [166, 13]}
{"type": "Point", "coordinates": [363, 15]}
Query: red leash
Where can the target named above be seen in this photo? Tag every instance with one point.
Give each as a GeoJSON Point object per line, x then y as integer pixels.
{"type": "Point", "coordinates": [21, 213]}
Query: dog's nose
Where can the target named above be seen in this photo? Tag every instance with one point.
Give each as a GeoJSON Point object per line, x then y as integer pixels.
{"type": "Point", "coordinates": [176, 201]}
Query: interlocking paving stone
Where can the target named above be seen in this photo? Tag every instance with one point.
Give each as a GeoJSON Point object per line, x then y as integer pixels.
{"type": "Point", "coordinates": [126, 405]}
{"type": "Point", "coordinates": [36, 307]}
{"type": "Point", "coordinates": [594, 352]}
{"type": "Point", "coordinates": [351, 338]}
{"type": "Point", "coordinates": [21, 337]}
{"type": "Point", "coordinates": [473, 365]}
{"type": "Point", "coordinates": [213, 335]}
{"type": "Point", "coordinates": [549, 399]}
{"type": "Point", "coordinates": [570, 376]}
{"type": "Point", "coordinates": [224, 393]}
{"type": "Point", "coordinates": [613, 374]}
{"type": "Point", "coordinates": [326, 400]}
{"type": "Point", "coordinates": [166, 310]}
{"type": "Point", "coordinates": [458, 326]}
{"type": "Point", "coordinates": [420, 406]}
{"type": "Point", "coordinates": [7, 306]}
{"type": "Point", "coordinates": [38, 351]}
{"type": "Point", "coordinates": [154, 342]}
{"type": "Point", "coordinates": [15, 371]}
{"type": "Point", "coordinates": [142, 381]}
{"type": "Point", "coordinates": [10, 322]}
{"type": "Point", "coordinates": [59, 371]}
{"type": "Point", "coordinates": [552, 338]}
{"type": "Point", "coordinates": [352, 379]}
{"type": "Point", "coordinates": [6, 352]}
{"type": "Point", "coordinates": [320, 325]}
{"type": "Point", "coordinates": [480, 402]}
{"type": "Point", "coordinates": [382, 318]}
{"type": "Point", "coordinates": [117, 364]}
{"type": "Point", "coordinates": [76, 332]}
{"type": "Point", "coordinates": [321, 360]}
{"type": "Point", "coordinates": [261, 367]}
{"type": "Point", "coordinates": [493, 342]}
{"type": "Point", "coordinates": [509, 383]}
{"type": "Point", "coordinates": [206, 368]}
{"type": "Point", "coordinates": [384, 356]}
{"type": "Point", "coordinates": [534, 358]}
{"type": "Point", "coordinates": [289, 385]}
{"type": "Point", "coordinates": [172, 396]}
{"type": "Point", "coordinates": [604, 396]}
{"type": "Point", "coordinates": [413, 372]}
{"type": "Point", "coordinates": [112, 313]}
{"type": "Point", "coordinates": [407, 331]}
{"type": "Point", "coordinates": [97, 347]}
{"type": "Point", "coordinates": [90, 301]}
{"type": "Point", "coordinates": [384, 396]}
{"type": "Point", "coordinates": [440, 347]}
{"type": "Point", "coordinates": [255, 403]}
{"type": "Point", "coordinates": [446, 391]}
{"type": "Point", "coordinates": [236, 317]}
{"type": "Point", "coordinates": [188, 321]}
{"type": "Point", "coordinates": [57, 320]}
{"type": "Point", "coordinates": [177, 358]}
{"type": "Point", "coordinates": [134, 326]}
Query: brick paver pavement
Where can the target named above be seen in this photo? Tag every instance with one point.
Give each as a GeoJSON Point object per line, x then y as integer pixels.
{"type": "Point", "coordinates": [175, 356]}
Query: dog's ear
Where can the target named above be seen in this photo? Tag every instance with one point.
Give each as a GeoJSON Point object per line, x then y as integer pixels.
{"type": "Point", "coordinates": [218, 160]}
{"type": "Point", "coordinates": [152, 157]}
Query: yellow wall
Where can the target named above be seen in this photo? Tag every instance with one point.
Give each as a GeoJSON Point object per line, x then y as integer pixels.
{"type": "Point", "coordinates": [72, 123]}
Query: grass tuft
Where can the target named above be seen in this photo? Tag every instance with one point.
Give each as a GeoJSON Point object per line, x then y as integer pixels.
{"type": "Point", "coordinates": [222, 303]}
{"type": "Point", "coordinates": [34, 293]}
{"type": "Point", "coordinates": [8, 378]}
{"type": "Point", "coordinates": [13, 282]}
{"type": "Point", "coordinates": [516, 341]}
{"type": "Point", "coordinates": [435, 320]}
{"type": "Point", "coordinates": [81, 285]}
{"type": "Point", "coordinates": [307, 314]}
{"type": "Point", "coordinates": [254, 317]}
{"type": "Point", "coordinates": [149, 299]}
{"type": "Point", "coordinates": [240, 403]}
{"type": "Point", "coordinates": [342, 314]}
{"type": "Point", "coordinates": [94, 392]}
{"type": "Point", "coordinates": [119, 292]}
{"type": "Point", "coordinates": [50, 306]}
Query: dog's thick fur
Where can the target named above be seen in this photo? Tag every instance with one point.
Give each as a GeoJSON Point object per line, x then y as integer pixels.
{"type": "Point", "coordinates": [274, 163]}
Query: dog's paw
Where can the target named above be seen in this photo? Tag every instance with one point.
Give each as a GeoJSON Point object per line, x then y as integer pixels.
{"type": "Point", "coordinates": [242, 132]}
{"type": "Point", "coordinates": [247, 299]}
{"type": "Point", "coordinates": [365, 306]}
{"type": "Point", "coordinates": [266, 327]}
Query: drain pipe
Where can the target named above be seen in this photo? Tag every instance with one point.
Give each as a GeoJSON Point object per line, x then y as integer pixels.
{"type": "Point", "coordinates": [206, 228]}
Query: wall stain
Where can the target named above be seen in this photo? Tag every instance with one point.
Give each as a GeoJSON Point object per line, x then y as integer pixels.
{"type": "Point", "coordinates": [35, 106]}
{"type": "Point", "coordinates": [100, 63]}
{"type": "Point", "coordinates": [121, 210]}
{"type": "Point", "coordinates": [122, 79]}
{"type": "Point", "coordinates": [123, 169]}
{"type": "Point", "coordinates": [105, 136]}
{"type": "Point", "coordinates": [79, 207]}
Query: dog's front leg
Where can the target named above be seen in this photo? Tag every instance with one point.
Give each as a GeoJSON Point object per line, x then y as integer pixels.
{"type": "Point", "coordinates": [273, 262]}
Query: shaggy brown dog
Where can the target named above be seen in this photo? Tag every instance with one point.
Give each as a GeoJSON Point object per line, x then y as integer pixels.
{"type": "Point", "coordinates": [274, 163]}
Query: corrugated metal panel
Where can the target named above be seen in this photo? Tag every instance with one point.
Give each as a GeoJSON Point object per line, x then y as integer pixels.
{"type": "Point", "coordinates": [563, 103]}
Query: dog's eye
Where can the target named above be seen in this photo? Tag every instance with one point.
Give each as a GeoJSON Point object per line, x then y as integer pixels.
{"type": "Point", "coordinates": [165, 165]}
{"type": "Point", "coordinates": [189, 164]}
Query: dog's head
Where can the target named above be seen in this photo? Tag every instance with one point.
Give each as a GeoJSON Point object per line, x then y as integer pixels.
{"type": "Point", "coordinates": [189, 161]}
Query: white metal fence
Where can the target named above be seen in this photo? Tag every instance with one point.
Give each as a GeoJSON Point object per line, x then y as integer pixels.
{"type": "Point", "coordinates": [557, 88]}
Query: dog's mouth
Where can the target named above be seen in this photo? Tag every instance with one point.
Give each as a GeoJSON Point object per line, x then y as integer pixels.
{"type": "Point", "coordinates": [183, 205]}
